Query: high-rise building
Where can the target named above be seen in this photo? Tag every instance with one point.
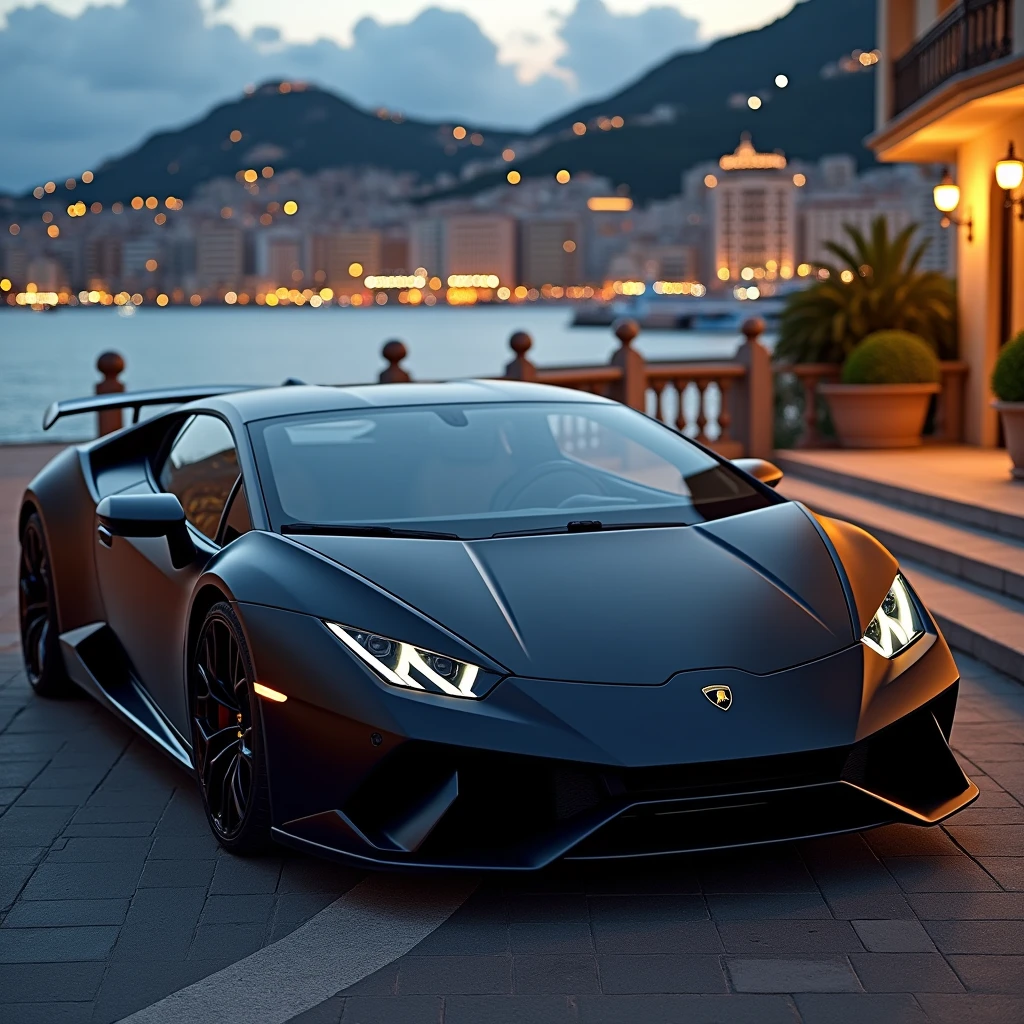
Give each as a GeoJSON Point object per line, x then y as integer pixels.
{"type": "Point", "coordinates": [284, 264]}
{"type": "Point", "coordinates": [103, 261]}
{"type": "Point", "coordinates": [753, 213]}
{"type": "Point", "coordinates": [220, 255]}
{"type": "Point", "coordinates": [426, 245]}
{"type": "Point", "coordinates": [334, 254]}
{"type": "Point", "coordinates": [140, 259]}
{"type": "Point", "coordinates": [481, 244]}
{"type": "Point", "coordinates": [550, 252]}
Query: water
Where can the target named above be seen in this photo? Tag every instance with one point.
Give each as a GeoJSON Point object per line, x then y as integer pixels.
{"type": "Point", "coordinates": [46, 356]}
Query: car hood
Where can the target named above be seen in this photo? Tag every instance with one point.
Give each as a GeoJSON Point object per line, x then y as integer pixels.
{"type": "Point", "coordinates": [758, 592]}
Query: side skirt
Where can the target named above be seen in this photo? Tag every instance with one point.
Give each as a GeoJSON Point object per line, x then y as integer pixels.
{"type": "Point", "coordinates": [96, 661]}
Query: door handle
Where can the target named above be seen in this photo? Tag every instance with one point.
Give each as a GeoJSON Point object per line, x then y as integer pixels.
{"type": "Point", "coordinates": [105, 536]}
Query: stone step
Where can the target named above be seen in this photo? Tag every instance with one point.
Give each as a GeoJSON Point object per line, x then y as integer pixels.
{"type": "Point", "coordinates": [1000, 516]}
{"type": "Point", "coordinates": [987, 560]}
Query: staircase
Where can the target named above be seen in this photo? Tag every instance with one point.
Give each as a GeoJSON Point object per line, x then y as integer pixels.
{"type": "Point", "coordinates": [964, 556]}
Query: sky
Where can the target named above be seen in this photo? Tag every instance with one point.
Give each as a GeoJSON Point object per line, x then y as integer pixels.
{"type": "Point", "coordinates": [91, 80]}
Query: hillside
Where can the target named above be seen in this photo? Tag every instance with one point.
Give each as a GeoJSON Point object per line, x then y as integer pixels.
{"type": "Point", "coordinates": [687, 110]}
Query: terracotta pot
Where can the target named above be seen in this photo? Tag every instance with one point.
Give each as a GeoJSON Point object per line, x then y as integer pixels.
{"type": "Point", "coordinates": [1012, 415]}
{"type": "Point", "coordinates": [878, 415]}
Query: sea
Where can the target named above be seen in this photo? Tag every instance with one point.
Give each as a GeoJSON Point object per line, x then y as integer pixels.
{"type": "Point", "coordinates": [46, 356]}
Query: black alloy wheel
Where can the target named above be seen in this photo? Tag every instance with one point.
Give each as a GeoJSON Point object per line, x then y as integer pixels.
{"type": "Point", "coordinates": [227, 739]}
{"type": "Point", "coordinates": [37, 615]}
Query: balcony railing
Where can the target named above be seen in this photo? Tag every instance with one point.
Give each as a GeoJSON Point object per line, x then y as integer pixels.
{"type": "Point", "coordinates": [972, 34]}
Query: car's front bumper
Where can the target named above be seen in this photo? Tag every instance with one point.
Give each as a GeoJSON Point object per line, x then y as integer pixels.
{"type": "Point", "coordinates": [542, 769]}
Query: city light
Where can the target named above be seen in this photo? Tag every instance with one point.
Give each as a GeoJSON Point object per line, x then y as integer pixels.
{"type": "Point", "coordinates": [395, 281]}
{"type": "Point", "coordinates": [799, 180]}
{"type": "Point", "coordinates": [846, 276]}
{"type": "Point", "coordinates": [235, 136]}
{"type": "Point", "coordinates": [152, 203]}
{"type": "Point", "coordinates": [629, 287]}
{"type": "Point", "coordinates": [355, 270]}
{"type": "Point", "coordinates": [96, 207]}
{"type": "Point", "coordinates": [610, 204]}
{"type": "Point", "coordinates": [161, 299]}
{"type": "Point", "coordinates": [267, 172]}
{"type": "Point", "coordinates": [291, 207]}
{"type": "Point", "coordinates": [781, 81]}
{"type": "Point", "coordinates": [804, 269]}
{"type": "Point", "coordinates": [473, 281]}
{"type": "Point", "coordinates": [138, 202]}
{"type": "Point", "coordinates": [14, 229]}
{"type": "Point", "coordinates": [723, 274]}
{"type": "Point", "coordinates": [250, 175]}
{"type": "Point", "coordinates": [50, 187]}
{"type": "Point", "coordinates": [710, 181]}
{"type": "Point", "coordinates": [87, 177]}
{"type": "Point", "coordinates": [569, 245]}
{"type": "Point", "coordinates": [326, 294]}
{"type": "Point", "coordinates": [230, 298]}
{"type": "Point", "coordinates": [508, 155]}
{"type": "Point", "coordinates": [151, 265]}
{"type": "Point", "coordinates": [514, 177]}
{"type": "Point", "coordinates": [754, 102]}
{"type": "Point", "coordinates": [5, 284]}
{"type": "Point", "coordinates": [579, 128]}
{"type": "Point", "coordinates": [563, 177]}
{"type": "Point", "coordinates": [459, 132]}
{"type": "Point", "coordinates": [160, 219]}
{"type": "Point", "coordinates": [53, 231]}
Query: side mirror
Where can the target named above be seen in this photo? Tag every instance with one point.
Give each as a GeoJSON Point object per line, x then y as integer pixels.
{"type": "Point", "coordinates": [148, 515]}
{"type": "Point", "coordinates": [767, 472]}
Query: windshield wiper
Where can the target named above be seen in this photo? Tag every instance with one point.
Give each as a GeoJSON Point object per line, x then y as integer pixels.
{"type": "Point", "coordinates": [360, 530]}
{"type": "Point", "coordinates": [587, 526]}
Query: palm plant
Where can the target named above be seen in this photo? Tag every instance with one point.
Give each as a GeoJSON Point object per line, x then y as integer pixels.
{"type": "Point", "coordinates": [876, 286]}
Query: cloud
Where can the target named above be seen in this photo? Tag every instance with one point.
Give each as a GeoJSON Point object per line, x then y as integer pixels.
{"type": "Point", "coordinates": [83, 88]}
{"type": "Point", "coordinates": [604, 50]}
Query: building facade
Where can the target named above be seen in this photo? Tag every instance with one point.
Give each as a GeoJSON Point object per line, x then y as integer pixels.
{"type": "Point", "coordinates": [550, 252]}
{"type": "Point", "coordinates": [480, 244]}
{"type": "Point", "coordinates": [951, 91]}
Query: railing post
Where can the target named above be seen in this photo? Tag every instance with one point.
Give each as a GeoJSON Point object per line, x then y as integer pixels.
{"type": "Point", "coordinates": [520, 368]}
{"type": "Point", "coordinates": [632, 389]}
{"type": "Point", "coordinates": [110, 364]}
{"type": "Point", "coordinates": [754, 420]}
{"type": "Point", "coordinates": [394, 352]}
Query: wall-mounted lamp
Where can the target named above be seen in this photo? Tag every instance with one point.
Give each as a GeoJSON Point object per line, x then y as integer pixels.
{"type": "Point", "coordinates": [946, 196]}
{"type": "Point", "coordinates": [1009, 176]}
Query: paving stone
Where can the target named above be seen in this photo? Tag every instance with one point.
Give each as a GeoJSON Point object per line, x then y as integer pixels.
{"type": "Point", "coordinates": [638, 935]}
{"type": "Point", "coordinates": [855, 884]}
{"type": "Point", "coordinates": [753, 874]}
{"type": "Point", "coordinates": [910, 841]}
{"type": "Point", "coordinates": [67, 797]}
{"type": "Point", "coordinates": [102, 814]}
{"type": "Point", "coordinates": [687, 1009]}
{"type": "Point", "coordinates": [239, 875]}
{"type": "Point", "coordinates": [305, 874]}
{"type": "Point", "coordinates": [393, 1010]}
{"type": "Point", "coordinates": [184, 815]}
{"type": "Point", "coordinates": [108, 830]}
{"type": "Point", "coordinates": [978, 936]}
{"type": "Point", "coordinates": [83, 881]}
{"type": "Point", "coordinates": [939, 874]}
{"type": "Point", "coordinates": [990, 840]}
{"type": "Point", "coordinates": [894, 937]}
{"type": "Point", "coordinates": [981, 815]}
{"type": "Point", "coordinates": [995, 974]}
{"type": "Point", "coordinates": [328, 1012]}
{"type": "Point", "coordinates": [773, 937]}
{"type": "Point", "coordinates": [1007, 871]}
{"type": "Point", "coordinates": [12, 880]}
{"type": "Point", "coordinates": [187, 848]}
{"type": "Point", "coordinates": [570, 907]}
{"type": "Point", "coordinates": [381, 983]}
{"type": "Point", "coordinates": [130, 985]}
{"type": "Point", "coordinates": [859, 1008]}
{"type": "Point", "coordinates": [294, 909]}
{"type": "Point", "coordinates": [973, 1008]}
{"type": "Point", "coordinates": [50, 982]}
{"type": "Point", "coordinates": [249, 909]}
{"type": "Point", "coordinates": [791, 974]}
{"type": "Point", "coordinates": [176, 874]}
{"type": "Point", "coordinates": [554, 974]}
{"type": "Point", "coordinates": [160, 925]}
{"type": "Point", "coordinates": [64, 913]}
{"type": "Point", "coordinates": [35, 945]}
{"type": "Point", "coordinates": [678, 877]}
{"type": "Point", "coordinates": [660, 973]}
{"type": "Point", "coordinates": [469, 931]}
{"type": "Point", "coordinates": [19, 773]}
{"type": "Point", "coordinates": [23, 855]}
{"type": "Point", "coordinates": [32, 826]}
{"type": "Point", "coordinates": [455, 975]}
{"type": "Point", "coordinates": [550, 937]}
{"type": "Point", "coordinates": [507, 1010]}
{"type": "Point", "coordinates": [966, 906]}
{"type": "Point", "coordinates": [802, 906]}
{"type": "Point", "coordinates": [904, 972]}
{"type": "Point", "coordinates": [231, 941]}
{"type": "Point", "coordinates": [93, 851]}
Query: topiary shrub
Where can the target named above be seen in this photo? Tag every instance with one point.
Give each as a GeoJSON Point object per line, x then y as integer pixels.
{"type": "Point", "coordinates": [891, 357]}
{"type": "Point", "coordinates": [1008, 375]}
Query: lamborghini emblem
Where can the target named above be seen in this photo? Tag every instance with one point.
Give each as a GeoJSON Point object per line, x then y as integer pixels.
{"type": "Point", "coordinates": [720, 696]}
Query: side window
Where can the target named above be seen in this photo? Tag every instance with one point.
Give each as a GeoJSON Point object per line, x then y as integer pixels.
{"type": "Point", "coordinates": [236, 517]}
{"type": "Point", "coordinates": [200, 470]}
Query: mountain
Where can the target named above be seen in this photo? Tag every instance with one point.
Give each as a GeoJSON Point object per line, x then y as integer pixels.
{"type": "Point", "coordinates": [285, 126]}
{"type": "Point", "coordinates": [687, 110]}
{"type": "Point", "coordinates": [818, 113]}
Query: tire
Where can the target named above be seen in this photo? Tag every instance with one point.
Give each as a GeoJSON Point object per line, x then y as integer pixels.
{"type": "Point", "coordinates": [37, 615]}
{"type": "Point", "coordinates": [227, 735]}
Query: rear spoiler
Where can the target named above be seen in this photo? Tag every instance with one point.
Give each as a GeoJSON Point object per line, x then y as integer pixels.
{"type": "Point", "coordinates": [135, 400]}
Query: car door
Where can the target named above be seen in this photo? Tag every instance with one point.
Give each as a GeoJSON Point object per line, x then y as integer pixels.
{"type": "Point", "coordinates": [145, 597]}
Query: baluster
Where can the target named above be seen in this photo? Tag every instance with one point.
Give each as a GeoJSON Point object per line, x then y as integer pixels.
{"type": "Point", "coordinates": [724, 414]}
{"type": "Point", "coordinates": [110, 364]}
{"type": "Point", "coordinates": [394, 352]}
{"type": "Point", "coordinates": [658, 387]}
{"type": "Point", "coordinates": [680, 386]}
{"type": "Point", "coordinates": [702, 416]}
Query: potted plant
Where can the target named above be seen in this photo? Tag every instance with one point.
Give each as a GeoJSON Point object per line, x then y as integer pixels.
{"type": "Point", "coordinates": [1008, 385]}
{"type": "Point", "coordinates": [887, 384]}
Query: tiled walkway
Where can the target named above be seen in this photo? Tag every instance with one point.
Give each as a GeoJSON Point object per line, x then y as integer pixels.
{"type": "Point", "coordinates": [113, 894]}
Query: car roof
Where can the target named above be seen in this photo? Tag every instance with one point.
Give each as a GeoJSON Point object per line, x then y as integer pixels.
{"type": "Point", "coordinates": [291, 400]}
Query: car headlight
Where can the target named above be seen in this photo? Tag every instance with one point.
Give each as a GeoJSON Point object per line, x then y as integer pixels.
{"type": "Point", "coordinates": [897, 624]}
{"type": "Point", "coordinates": [414, 668]}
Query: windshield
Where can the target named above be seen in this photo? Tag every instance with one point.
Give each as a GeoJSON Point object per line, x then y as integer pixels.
{"type": "Point", "coordinates": [477, 470]}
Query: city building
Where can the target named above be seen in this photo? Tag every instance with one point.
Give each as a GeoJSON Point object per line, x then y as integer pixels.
{"type": "Point", "coordinates": [338, 255]}
{"type": "Point", "coordinates": [103, 261]}
{"type": "Point", "coordinates": [951, 91]}
{"type": "Point", "coordinates": [426, 244]}
{"type": "Point", "coordinates": [550, 252]}
{"type": "Point", "coordinates": [282, 264]}
{"type": "Point", "coordinates": [753, 212]}
{"type": "Point", "coordinates": [220, 255]}
{"type": "Point", "coordinates": [480, 244]}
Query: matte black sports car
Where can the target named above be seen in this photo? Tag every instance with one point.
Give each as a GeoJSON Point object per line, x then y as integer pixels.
{"type": "Point", "coordinates": [481, 624]}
